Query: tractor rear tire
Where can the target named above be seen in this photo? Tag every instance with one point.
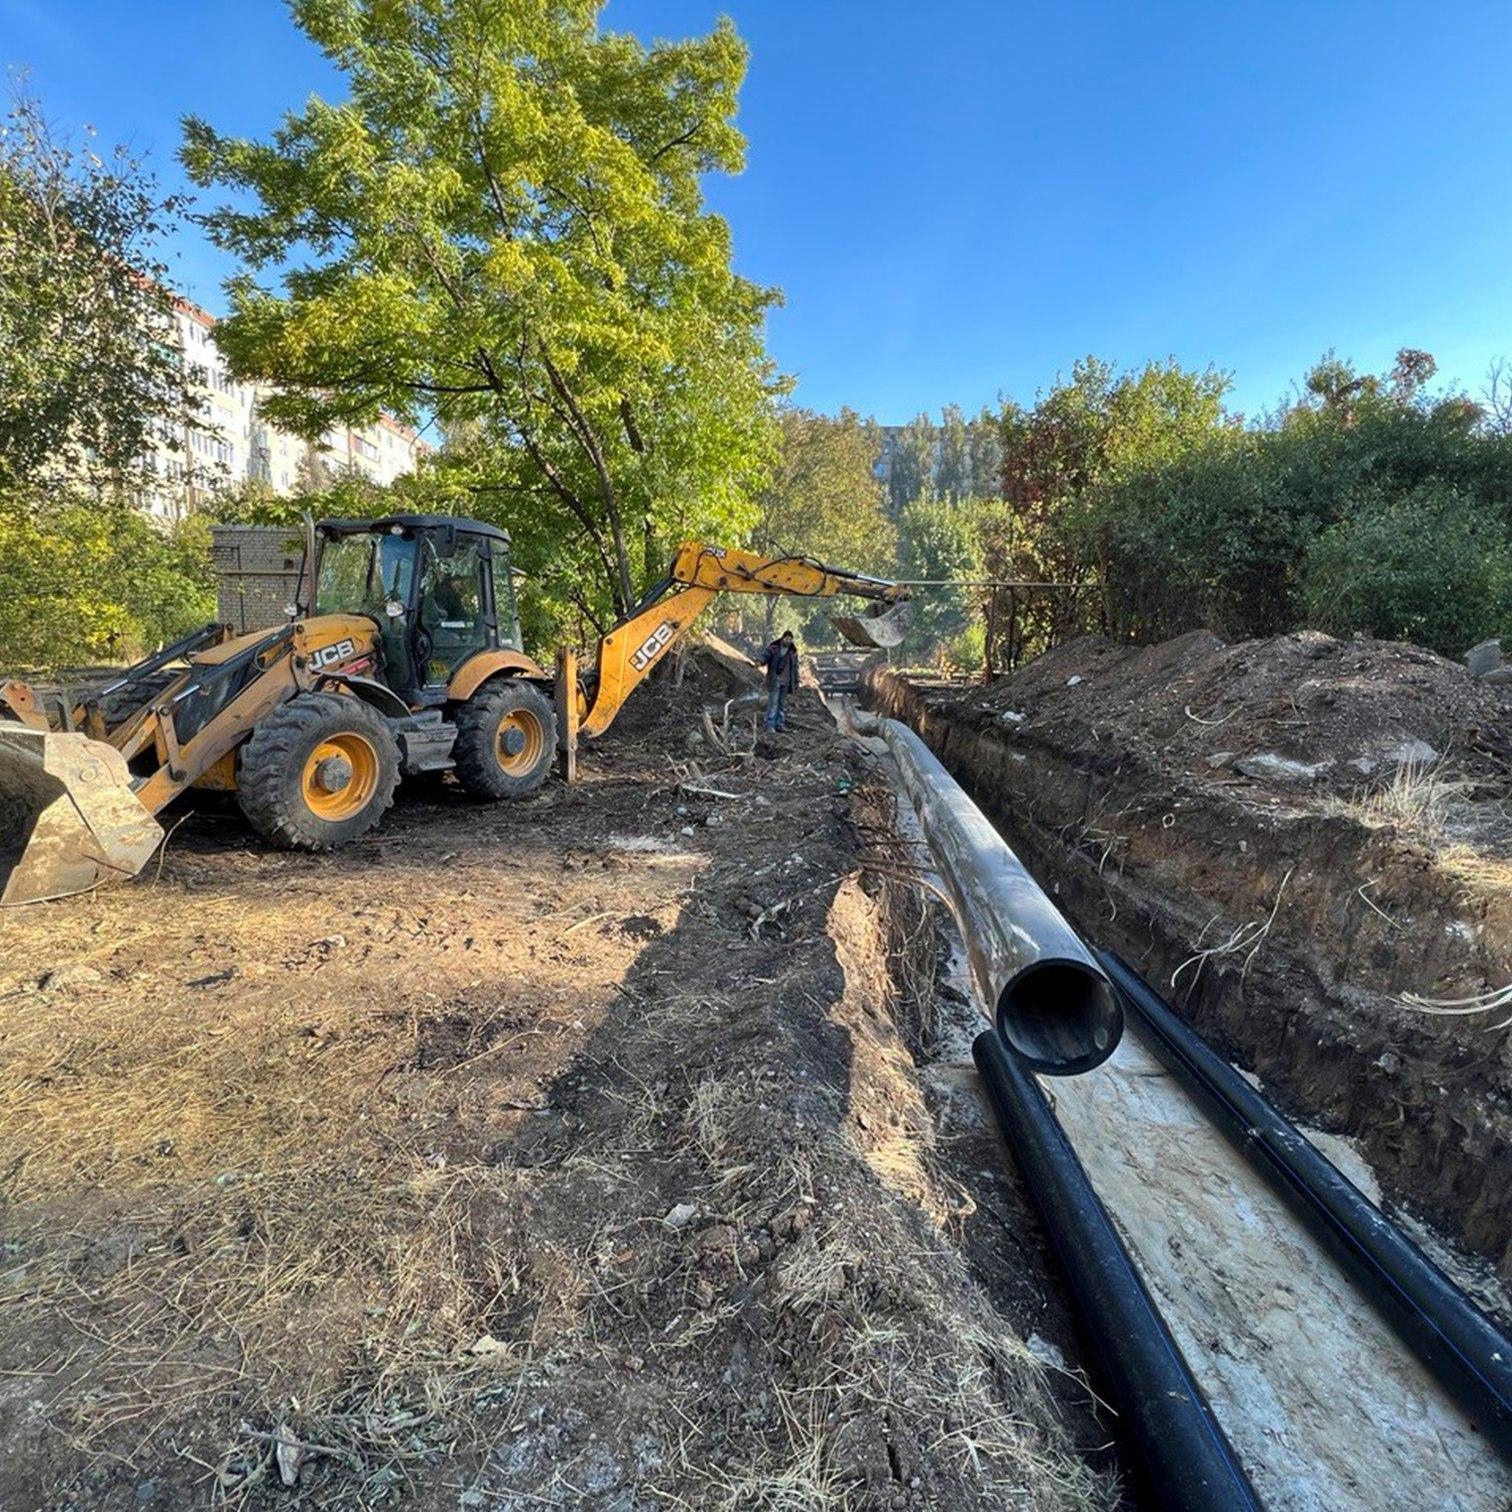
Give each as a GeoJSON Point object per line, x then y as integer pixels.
{"type": "Point", "coordinates": [317, 772]}
{"type": "Point", "coordinates": [506, 740]}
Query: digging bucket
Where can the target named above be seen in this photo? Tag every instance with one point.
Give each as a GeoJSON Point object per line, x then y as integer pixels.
{"type": "Point", "coordinates": [68, 817]}
{"type": "Point", "coordinates": [881, 628]}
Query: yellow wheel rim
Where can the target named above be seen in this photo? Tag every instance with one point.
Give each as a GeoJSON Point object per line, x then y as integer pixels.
{"type": "Point", "coordinates": [519, 742]}
{"type": "Point", "coordinates": [340, 777]}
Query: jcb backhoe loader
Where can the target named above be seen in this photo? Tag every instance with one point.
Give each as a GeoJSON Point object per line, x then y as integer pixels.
{"type": "Point", "coordinates": [407, 659]}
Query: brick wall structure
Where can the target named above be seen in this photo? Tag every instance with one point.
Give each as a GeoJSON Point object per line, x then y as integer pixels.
{"type": "Point", "coordinates": [257, 573]}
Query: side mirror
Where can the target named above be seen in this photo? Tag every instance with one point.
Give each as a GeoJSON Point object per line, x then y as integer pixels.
{"type": "Point", "coordinates": [394, 609]}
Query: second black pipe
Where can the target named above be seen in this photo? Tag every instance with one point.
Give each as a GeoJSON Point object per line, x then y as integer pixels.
{"type": "Point", "coordinates": [1188, 1463]}
{"type": "Point", "coordinates": [1470, 1357]}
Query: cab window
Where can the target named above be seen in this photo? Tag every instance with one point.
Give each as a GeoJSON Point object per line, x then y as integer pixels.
{"type": "Point", "coordinates": [453, 607]}
{"type": "Point", "coordinates": [360, 573]}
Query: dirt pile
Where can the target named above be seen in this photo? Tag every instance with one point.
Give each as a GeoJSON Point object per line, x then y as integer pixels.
{"type": "Point", "coordinates": [1295, 713]}
{"type": "Point", "coordinates": [705, 675]}
{"type": "Point", "coordinates": [565, 1153]}
{"type": "Point", "coordinates": [1295, 839]}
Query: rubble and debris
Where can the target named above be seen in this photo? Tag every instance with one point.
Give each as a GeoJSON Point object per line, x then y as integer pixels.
{"type": "Point", "coordinates": [1487, 662]}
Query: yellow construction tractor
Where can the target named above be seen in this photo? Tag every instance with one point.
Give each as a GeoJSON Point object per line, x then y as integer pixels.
{"type": "Point", "coordinates": [405, 660]}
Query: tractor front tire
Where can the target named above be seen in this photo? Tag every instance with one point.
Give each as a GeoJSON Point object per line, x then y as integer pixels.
{"type": "Point", "coordinates": [506, 740]}
{"type": "Point", "coordinates": [317, 772]}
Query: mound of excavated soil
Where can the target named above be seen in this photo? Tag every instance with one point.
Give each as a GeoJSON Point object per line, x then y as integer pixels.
{"type": "Point", "coordinates": [556, 1154]}
{"type": "Point", "coordinates": [706, 674]}
{"type": "Point", "coordinates": [1296, 712]}
{"type": "Point", "coordinates": [1292, 838]}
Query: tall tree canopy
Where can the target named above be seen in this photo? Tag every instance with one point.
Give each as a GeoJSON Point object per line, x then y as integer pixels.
{"type": "Point", "coordinates": [503, 225]}
{"type": "Point", "coordinates": [825, 498]}
{"type": "Point", "coordinates": [1368, 503]}
{"type": "Point", "coordinates": [86, 363]}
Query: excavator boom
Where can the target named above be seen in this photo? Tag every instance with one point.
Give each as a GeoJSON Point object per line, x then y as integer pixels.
{"type": "Point", "coordinates": [700, 573]}
{"type": "Point", "coordinates": [734, 571]}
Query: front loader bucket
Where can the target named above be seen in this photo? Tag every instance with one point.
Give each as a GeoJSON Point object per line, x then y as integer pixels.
{"type": "Point", "coordinates": [881, 629]}
{"type": "Point", "coordinates": [68, 817]}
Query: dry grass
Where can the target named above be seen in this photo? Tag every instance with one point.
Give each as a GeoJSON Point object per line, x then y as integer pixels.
{"type": "Point", "coordinates": [1419, 799]}
{"type": "Point", "coordinates": [94, 1094]}
{"type": "Point", "coordinates": [341, 1303]}
{"type": "Point", "coordinates": [241, 1179]}
{"type": "Point", "coordinates": [799, 1476]}
{"type": "Point", "coordinates": [710, 1115]}
{"type": "Point", "coordinates": [886, 1360]}
{"type": "Point", "coordinates": [1490, 875]}
{"type": "Point", "coordinates": [1470, 837]}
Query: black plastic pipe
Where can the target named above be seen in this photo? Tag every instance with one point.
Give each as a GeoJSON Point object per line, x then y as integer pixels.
{"type": "Point", "coordinates": [1189, 1464]}
{"type": "Point", "coordinates": [1465, 1351]}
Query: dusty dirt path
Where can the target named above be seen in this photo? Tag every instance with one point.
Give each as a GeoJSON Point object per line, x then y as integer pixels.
{"type": "Point", "coordinates": [564, 1154]}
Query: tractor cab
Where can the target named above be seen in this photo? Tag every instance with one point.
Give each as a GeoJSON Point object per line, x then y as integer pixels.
{"type": "Point", "coordinates": [439, 589]}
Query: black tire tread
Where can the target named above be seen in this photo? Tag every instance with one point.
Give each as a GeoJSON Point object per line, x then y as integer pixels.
{"type": "Point", "coordinates": [477, 724]}
{"type": "Point", "coordinates": [274, 756]}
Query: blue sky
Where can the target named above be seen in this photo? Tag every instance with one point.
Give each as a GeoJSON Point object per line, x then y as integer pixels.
{"type": "Point", "coordinates": [960, 199]}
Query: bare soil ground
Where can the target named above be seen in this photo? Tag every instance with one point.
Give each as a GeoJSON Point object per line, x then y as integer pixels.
{"type": "Point", "coordinates": [570, 1153]}
{"type": "Point", "coordinates": [1304, 842]}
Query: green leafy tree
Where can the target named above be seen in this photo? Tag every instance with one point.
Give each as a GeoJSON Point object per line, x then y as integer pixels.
{"type": "Point", "coordinates": [1061, 457]}
{"type": "Point", "coordinates": [984, 444]}
{"type": "Point", "coordinates": [1364, 488]}
{"type": "Point", "coordinates": [88, 369]}
{"type": "Point", "coordinates": [86, 583]}
{"type": "Point", "coordinates": [953, 478]}
{"type": "Point", "coordinates": [911, 454]}
{"type": "Point", "coordinates": [939, 542]}
{"type": "Point", "coordinates": [503, 225]}
{"type": "Point", "coordinates": [1430, 565]}
{"type": "Point", "coordinates": [825, 500]}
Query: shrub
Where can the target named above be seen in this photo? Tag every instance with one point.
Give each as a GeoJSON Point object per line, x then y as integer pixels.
{"type": "Point", "coordinates": [88, 581]}
{"type": "Point", "coordinates": [1432, 565]}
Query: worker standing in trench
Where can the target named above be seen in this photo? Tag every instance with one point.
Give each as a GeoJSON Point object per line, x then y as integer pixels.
{"type": "Point", "coordinates": [781, 662]}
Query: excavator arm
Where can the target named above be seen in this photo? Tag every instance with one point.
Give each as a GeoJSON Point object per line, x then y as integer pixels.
{"type": "Point", "coordinates": [697, 576]}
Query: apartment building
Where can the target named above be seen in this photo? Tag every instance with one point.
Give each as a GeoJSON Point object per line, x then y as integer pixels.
{"type": "Point", "coordinates": [230, 442]}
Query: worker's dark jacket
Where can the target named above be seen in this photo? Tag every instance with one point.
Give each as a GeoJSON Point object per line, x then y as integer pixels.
{"type": "Point", "coordinates": [781, 663]}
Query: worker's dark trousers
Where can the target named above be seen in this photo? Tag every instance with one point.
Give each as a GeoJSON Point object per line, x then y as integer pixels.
{"type": "Point", "coordinates": [776, 715]}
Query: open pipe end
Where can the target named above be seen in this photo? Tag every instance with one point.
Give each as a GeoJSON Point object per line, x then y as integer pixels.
{"type": "Point", "coordinates": [1061, 1017]}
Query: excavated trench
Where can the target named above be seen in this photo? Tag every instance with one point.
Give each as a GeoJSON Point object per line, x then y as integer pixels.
{"type": "Point", "coordinates": [1334, 921]}
{"type": "Point", "coordinates": [1322, 1402]}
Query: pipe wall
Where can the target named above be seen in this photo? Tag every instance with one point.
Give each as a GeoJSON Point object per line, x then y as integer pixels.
{"type": "Point", "coordinates": [1051, 1000]}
